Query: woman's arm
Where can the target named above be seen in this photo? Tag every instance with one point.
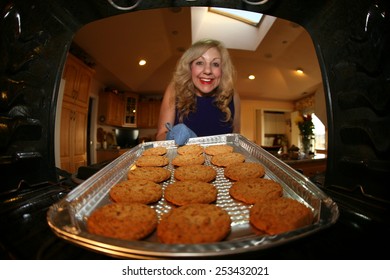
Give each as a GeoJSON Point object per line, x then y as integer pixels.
{"type": "Point", "coordinates": [167, 112]}
{"type": "Point", "coordinates": [237, 113]}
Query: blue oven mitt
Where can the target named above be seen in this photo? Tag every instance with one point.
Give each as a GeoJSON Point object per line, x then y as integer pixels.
{"type": "Point", "coordinates": [180, 133]}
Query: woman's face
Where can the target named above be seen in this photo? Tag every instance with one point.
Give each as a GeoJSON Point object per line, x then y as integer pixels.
{"type": "Point", "coordinates": [206, 71]}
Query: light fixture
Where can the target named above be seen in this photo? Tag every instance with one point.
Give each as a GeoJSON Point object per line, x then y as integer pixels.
{"type": "Point", "coordinates": [251, 77]}
{"type": "Point", "coordinates": [142, 62]}
{"type": "Point", "coordinates": [299, 71]}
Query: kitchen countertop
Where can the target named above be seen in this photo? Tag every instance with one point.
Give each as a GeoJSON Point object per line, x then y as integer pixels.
{"type": "Point", "coordinates": [301, 160]}
{"type": "Point", "coordinates": [309, 167]}
{"type": "Point", "coordinates": [112, 149]}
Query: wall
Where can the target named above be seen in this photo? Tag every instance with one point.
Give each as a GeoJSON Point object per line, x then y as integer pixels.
{"type": "Point", "coordinates": [320, 106]}
{"type": "Point", "coordinates": [294, 140]}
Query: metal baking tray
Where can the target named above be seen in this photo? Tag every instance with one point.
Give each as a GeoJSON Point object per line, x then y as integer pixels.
{"type": "Point", "coordinates": [67, 218]}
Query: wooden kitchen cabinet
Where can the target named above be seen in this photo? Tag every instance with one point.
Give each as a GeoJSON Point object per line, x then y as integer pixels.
{"type": "Point", "coordinates": [74, 114]}
{"type": "Point", "coordinates": [111, 108]}
{"type": "Point", "coordinates": [73, 140]}
{"type": "Point", "coordinates": [78, 78]}
{"type": "Point", "coordinates": [118, 109]}
{"type": "Point", "coordinates": [130, 111]}
{"type": "Point", "coordinates": [148, 113]}
{"type": "Point", "coordinates": [309, 167]}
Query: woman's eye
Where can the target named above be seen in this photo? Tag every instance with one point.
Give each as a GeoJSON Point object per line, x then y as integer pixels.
{"type": "Point", "coordinates": [198, 62]}
{"type": "Point", "coordinates": [216, 64]}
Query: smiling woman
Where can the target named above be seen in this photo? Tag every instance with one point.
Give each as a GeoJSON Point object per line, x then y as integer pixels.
{"type": "Point", "coordinates": [202, 94]}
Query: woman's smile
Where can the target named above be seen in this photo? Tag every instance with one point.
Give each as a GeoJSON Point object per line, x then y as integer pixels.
{"type": "Point", "coordinates": [206, 81]}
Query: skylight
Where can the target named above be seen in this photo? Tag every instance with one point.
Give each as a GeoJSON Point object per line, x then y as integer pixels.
{"type": "Point", "coordinates": [244, 16]}
{"type": "Point", "coordinates": [235, 34]}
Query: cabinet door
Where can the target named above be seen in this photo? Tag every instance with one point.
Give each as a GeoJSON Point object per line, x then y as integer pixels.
{"type": "Point", "coordinates": [143, 114]}
{"type": "Point", "coordinates": [155, 114]}
{"type": "Point", "coordinates": [71, 73]}
{"type": "Point", "coordinates": [79, 138]}
{"type": "Point", "coordinates": [148, 114]}
{"type": "Point", "coordinates": [111, 109]}
{"type": "Point", "coordinates": [130, 115]}
{"type": "Point", "coordinates": [78, 79]}
{"type": "Point", "coordinates": [85, 79]}
{"type": "Point", "coordinates": [73, 137]}
{"type": "Point", "coordinates": [65, 138]}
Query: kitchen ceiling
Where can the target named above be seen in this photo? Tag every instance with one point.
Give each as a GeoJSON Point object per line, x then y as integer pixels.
{"type": "Point", "coordinates": [160, 36]}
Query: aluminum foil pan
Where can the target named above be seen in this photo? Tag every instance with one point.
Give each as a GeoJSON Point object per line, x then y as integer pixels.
{"type": "Point", "coordinates": [67, 218]}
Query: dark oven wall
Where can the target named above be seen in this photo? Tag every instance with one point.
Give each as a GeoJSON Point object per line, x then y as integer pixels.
{"type": "Point", "coordinates": [351, 39]}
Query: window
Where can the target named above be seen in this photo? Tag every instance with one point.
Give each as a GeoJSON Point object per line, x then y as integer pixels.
{"type": "Point", "coordinates": [244, 16]}
{"type": "Point", "coordinates": [319, 132]}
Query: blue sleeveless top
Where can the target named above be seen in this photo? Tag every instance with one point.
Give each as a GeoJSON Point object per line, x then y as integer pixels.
{"type": "Point", "coordinates": [208, 119]}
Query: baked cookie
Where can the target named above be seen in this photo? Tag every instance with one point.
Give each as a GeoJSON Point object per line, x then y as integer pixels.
{"type": "Point", "coordinates": [152, 161]}
{"type": "Point", "coordinates": [255, 190]}
{"type": "Point", "coordinates": [188, 159]}
{"type": "Point", "coordinates": [194, 223]}
{"type": "Point", "coordinates": [244, 170]}
{"type": "Point", "coordinates": [132, 221]}
{"type": "Point", "coordinates": [152, 173]}
{"type": "Point", "coordinates": [280, 215]}
{"type": "Point", "coordinates": [136, 190]}
{"type": "Point", "coordinates": [155, 151]}
{"type": "Point", "coordinates": [189, 192]}
{"type": "Point", "coordinates": [204, 173]}
{"type": "Point", "coordinates": [218, 149]}
{"type": "Point", "coordinates": [223, 160]}
{"type": "Point", "coordinates": [193, 149]}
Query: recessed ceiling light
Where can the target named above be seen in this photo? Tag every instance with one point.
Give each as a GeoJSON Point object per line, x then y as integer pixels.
{"type": "Point", "coordinates": [251, 77]}
{"type": "Point", "coordinates": [142, 62]}
{"type": "Point", "coordinates": [299, 71]}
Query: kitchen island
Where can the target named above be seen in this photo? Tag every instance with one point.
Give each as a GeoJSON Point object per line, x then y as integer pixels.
{"type": "Point", "coordinates": [308, 166]}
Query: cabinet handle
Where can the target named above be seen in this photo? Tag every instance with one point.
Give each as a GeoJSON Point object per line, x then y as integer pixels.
{"type": "Point", "coordinates": [75, 93]}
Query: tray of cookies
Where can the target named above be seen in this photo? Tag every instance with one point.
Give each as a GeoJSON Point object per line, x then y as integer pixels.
{"type": "Point", "coordinates": [215, 196]}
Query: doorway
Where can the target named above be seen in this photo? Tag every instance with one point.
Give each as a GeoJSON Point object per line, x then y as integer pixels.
{"type": "Point", "coordinates": [91, 131]}
{"type": "Point", "coordinates": [271, 124]}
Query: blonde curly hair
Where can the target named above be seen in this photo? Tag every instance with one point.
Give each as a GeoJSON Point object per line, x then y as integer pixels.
{"type": "Point", "coordinates": [185, 89]}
